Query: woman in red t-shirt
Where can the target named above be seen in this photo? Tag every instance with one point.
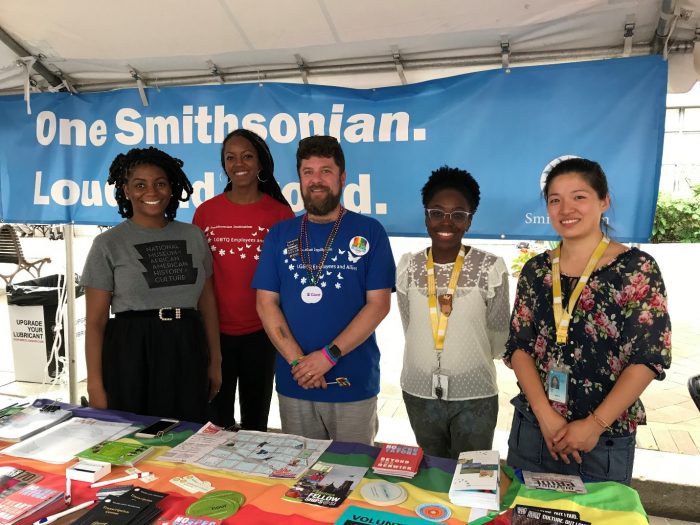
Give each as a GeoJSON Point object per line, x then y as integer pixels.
{"type": "Point", "coordinates": [235, 224]}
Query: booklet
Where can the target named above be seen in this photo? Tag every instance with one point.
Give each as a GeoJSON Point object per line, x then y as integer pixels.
{"type": "Point", "coordinates": [398, 460]}
{"type": "Point", "coordinates": [61, 443]}
{"type": "Point", "coordinates": [325, 484]}
{"type": "Point", "coordinates": [13, 479]}
{"type": "Point", "coordinates": [552, 481]}
{"type": "Point", "coordinates": [476, 480]}
{"type": "Point", "coordinates": [355, 515]}
{"type": "Point", "coordinates": [136, 507]}
{"type": "Point", "coordinates": [527, 515]}
{"type": "Point", "coordinates": [25, 502]}
{"type": "Point", "coordinates": [30, 421]}
{"type": "Point", "coordinates": [116, 452]}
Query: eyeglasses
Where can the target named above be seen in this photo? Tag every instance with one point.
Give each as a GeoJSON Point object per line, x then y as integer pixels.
{"type": "Point", "coordinates": [457, 216]}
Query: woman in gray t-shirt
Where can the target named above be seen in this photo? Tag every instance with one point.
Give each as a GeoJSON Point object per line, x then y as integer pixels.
{"type": "Point", "coordinates": [159, 355]}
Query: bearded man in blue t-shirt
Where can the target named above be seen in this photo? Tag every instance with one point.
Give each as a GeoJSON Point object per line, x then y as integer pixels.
{"type": "Point", "coordinates": [324, 283]}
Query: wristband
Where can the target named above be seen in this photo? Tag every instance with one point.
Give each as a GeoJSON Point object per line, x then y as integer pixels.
{"type": "Point", "coordinates": [601, 422]}
{"type": "Point", "coordinates": [328, 356]}
{"type": "Point", "coordinates": [296, 361]}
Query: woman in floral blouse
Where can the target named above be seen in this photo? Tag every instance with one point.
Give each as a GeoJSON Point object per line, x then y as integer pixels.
{"type": "Point", "coordinates": [611, 341]}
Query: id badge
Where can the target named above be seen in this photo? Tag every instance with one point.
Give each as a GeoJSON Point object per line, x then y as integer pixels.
{"type": "Point", "coordinates": [557, 385]}
{"type": "Point", "coordinates": [440, 383]}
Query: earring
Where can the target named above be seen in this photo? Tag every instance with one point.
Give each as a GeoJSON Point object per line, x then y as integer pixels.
{"type": "Point", "coordinates": [261, 180]}
{"type": "Point", "coordinates": [221, 177]}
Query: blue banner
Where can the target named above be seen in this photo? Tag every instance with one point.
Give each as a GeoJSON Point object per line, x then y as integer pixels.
{"type": "Point", "coordinates": [502, 127]}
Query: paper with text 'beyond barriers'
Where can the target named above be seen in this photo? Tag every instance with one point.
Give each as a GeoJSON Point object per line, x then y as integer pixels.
{"type": "Point", "coordinates": [61, 443]}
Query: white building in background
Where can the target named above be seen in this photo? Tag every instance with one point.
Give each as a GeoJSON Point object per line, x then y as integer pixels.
{"type": "Point", "coordinates": [680, 165]}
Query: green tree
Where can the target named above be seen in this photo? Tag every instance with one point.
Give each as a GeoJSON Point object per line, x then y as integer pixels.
{"type": "Point", "coordinates": [677, 220]}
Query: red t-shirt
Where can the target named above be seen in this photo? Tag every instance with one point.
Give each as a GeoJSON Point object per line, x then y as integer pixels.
{"type": "Point", "coordinates": [235, 233]}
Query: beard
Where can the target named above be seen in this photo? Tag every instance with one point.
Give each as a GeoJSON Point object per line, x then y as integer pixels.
{"type": "Point", "coordinates": [320, 206]}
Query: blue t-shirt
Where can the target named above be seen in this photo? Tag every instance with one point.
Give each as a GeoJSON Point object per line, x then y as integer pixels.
{"type": "Point", "coordinates": [359, 260]}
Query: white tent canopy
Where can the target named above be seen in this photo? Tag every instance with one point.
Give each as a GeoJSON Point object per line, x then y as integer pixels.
{"type": "Point", "coordinates": [96, 45]}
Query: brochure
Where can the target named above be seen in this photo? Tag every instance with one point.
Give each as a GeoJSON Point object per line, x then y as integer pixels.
{"type": "Point", "coordinates": [354, 515]}
{"type": "Point", "coordinates": [398, 460]}
{"type": "Point", "coordinates": [476, 480]}
{"type": "Point", "coordinates": [116, 452]}
{"type": "Point", "coordinates": [252, 453]}
{"type": "Point", "coordinates": [30, 421]}
{"type": "Point", "coordinates": [527, 515]}
{"type": "Point", "coordinates": [552, 481]}
{"type": "Point", "coordinates": [25, 502]}
{"type": "Point", "coordinates": [61, 443]}
{"type": "Point", "coordinates": [325, 484]}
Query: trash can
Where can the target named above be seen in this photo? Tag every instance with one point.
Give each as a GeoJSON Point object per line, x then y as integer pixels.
{"type": "Point", "coordinates": [32, 307]}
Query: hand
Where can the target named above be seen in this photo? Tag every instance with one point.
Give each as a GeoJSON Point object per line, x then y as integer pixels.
{"type": "Point", "coordinates": [310, 371]}
{"type": "Point", "coordinates": [97, 396]}
{"type": "Point", "coordinates": [551, 422]}
{"type": "Point", "coordinates": [215, 379]}
{"type": "Point", "coordinates": [577, 437]}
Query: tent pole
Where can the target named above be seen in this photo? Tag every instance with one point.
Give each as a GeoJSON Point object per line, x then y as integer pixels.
{"type": "Point", "coordinates": [22, 52]}
{"type": "Point", "coordinates": [69, 327]}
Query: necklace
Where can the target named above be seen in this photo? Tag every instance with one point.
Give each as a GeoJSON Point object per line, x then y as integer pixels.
{"type": "Point", "coordinates": [306, 247]}
{"type": "Point", "coordinates": [562, 316]}
{"type": "Point", "coordinates": [439, 321]}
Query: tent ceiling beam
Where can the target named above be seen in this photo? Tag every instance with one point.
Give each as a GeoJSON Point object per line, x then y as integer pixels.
{"type": "Point", "coordinates": [21, 52]}
{"type": "Point", "coordinates": [381, 65]}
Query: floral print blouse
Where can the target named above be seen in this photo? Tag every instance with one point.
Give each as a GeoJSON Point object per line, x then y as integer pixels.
{"type": "Point", "coordinates": [621, 318]}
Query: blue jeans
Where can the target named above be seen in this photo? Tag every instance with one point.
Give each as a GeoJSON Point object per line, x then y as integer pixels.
{"type": "Point", "coordinates": [446, 428]}
{"type": "Point", "coordinates": [611, 459]}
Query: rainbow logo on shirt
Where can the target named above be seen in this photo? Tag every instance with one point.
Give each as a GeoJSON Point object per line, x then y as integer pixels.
{"type": "Point", "coordinates": [359, 245]}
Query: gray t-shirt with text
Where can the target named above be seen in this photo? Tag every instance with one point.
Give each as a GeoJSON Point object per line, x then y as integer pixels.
{"type": "Point", "coordinates": [147, 268]}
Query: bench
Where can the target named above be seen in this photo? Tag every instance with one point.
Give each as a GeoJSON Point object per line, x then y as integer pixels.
{"type": "Point", "coordinates": [11, 253]}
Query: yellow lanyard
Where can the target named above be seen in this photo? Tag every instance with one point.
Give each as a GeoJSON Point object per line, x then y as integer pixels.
{"type": "Point", "coordinates": [439, 322]}
{"type": "Point", "coordinates": [562, 316]}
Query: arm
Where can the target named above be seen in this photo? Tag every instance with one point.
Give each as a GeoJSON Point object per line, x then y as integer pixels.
{"type": "Point", "coordinates": [498, 308]}
{"type": "Point", "coordinates": [551, 422]}
{"type": "Point", "coordinates": [210, 318]}
{"type": "Point", "coordinates": [97, 304]}
{"type": "Point", "coordinates": [360, 328]}
{"type": "Point", "coordinates": [277, 329]}
{"type": "Point", "coordinates": [582, 435]}
{"type": "Point", "coordinates": [402, 290]}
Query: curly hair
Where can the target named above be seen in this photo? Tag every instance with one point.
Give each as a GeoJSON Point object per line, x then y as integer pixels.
{"type": "Point", "coordinates": [266, 178]}
{"type": "Point", "coordinates": [123, 166]}
{"type": "Point", "coordinates": [452, 178]}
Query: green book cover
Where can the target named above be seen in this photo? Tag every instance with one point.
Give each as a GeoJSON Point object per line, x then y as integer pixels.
{"type": "Point", "coordinates": [116, 452]}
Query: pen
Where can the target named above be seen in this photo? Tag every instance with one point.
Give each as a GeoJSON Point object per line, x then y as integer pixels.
{"type": "Point", "coordinates": [67, 495]}
{"type": "Point", "coordinates": [139, 475]}
{"type": "Point", "coordinates": [54, 517]}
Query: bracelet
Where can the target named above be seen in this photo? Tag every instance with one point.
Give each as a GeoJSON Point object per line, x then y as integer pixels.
{"type": "Point", "coordinates": [296, 361]}
{"type": "Point", "coordinates": [601, 422]}
{"type": "Point", "coordinates": [328, 356]}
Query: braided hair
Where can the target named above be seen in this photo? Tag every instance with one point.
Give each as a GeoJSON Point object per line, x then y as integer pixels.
{"type": "Point", "coordinates": [124, 164]}
{"type": "Point", "coordinates": [452, 178]}
{"type": "Point", "coordinates": [266, 178]}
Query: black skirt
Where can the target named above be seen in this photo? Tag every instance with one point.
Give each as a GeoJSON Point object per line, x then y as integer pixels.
{"type": "Point", "coordinates": [157, 368]}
